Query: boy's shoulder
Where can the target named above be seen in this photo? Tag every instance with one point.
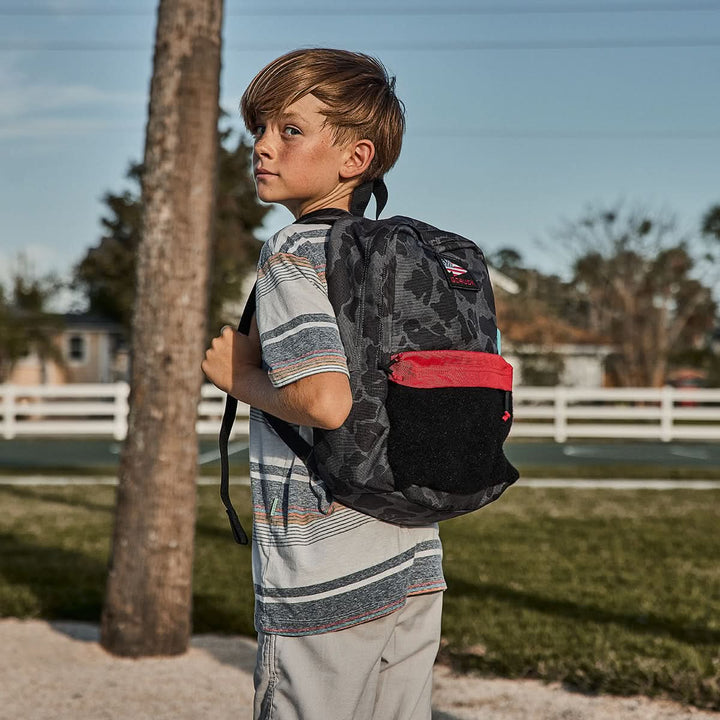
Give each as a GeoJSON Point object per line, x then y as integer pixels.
{"type": "Point", "coordinates": [296, 239]}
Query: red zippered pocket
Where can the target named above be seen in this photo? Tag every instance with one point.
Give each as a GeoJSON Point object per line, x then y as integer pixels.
{"type": "Point", "coordinates": [450, 368]}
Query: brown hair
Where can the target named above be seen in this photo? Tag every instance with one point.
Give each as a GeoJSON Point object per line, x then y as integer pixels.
{"type": "Point", "coordinates": [360, 98]}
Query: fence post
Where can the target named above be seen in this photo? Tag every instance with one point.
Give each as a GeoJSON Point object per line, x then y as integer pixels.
{"type": "Point", "coordinates": [666, 413]}
{"type": "Point", "coordinates": [560, 414]}
{"type": "Point", "coordinates": [8, 412]}
{"type": "Point", "coordinates": [121, 410]}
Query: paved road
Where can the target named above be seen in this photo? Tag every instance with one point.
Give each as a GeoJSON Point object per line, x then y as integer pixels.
{"type": "Point", "coordinates": [667, 455]}
{"type": "Point", "coordinates": [88, 454]}
{"type": "Point", "coordinates": [91, 455]}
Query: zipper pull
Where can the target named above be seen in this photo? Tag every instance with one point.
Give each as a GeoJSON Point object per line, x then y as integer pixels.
{"type": "Point", "coordinates": [508, 403]}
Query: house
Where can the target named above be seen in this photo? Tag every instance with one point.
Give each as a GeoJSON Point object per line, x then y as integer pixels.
{"type": "Point", "coordinates": [93, 350]}
{"type": "Point", "coordinates": [567, 364]}
{"type": "Point", "coordinates": [542, 349]}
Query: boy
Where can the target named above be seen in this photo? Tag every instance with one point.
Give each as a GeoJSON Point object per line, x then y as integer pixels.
{"type": "Point", "coordinates": [347, 607]}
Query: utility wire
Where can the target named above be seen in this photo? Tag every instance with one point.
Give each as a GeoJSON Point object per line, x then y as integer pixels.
{"type": "Point", "coordinates": [500, 134]}
{"type": "Point", "coordinates": [446, 134]}
{"type": "Point", "coordinates": [330, 10]}
{"type": "Point", "coordinates": [616, 44]}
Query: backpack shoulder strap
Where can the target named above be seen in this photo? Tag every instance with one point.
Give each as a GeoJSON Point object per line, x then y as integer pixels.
{"type": "Point", "coordinates": [287, 433]}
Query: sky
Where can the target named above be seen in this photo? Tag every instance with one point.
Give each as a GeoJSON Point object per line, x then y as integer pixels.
{"type": "Point", "coordinates": [521, 114]}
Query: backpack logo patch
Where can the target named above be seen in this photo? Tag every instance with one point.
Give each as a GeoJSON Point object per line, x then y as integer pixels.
{"type": "Point", "coordinates": [458, 277]}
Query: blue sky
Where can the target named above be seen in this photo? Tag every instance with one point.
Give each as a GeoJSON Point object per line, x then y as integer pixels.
{"type": "Point", "coordinates": [520, 113]}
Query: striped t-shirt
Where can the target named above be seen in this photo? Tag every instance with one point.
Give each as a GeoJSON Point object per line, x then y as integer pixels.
{"type": "Point", "coordinates": [318, 566]}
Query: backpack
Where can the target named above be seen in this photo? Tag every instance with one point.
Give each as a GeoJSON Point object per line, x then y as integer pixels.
{"type": "Point", "coordinates": [432, 397]}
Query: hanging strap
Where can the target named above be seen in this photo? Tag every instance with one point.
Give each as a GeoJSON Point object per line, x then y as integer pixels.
{"type": "Point", "coordinates": [362, 194]}
{"type": "Point", "coordinates": [225, 428]}
{"type": "Point", "coordinates": [287, 433]}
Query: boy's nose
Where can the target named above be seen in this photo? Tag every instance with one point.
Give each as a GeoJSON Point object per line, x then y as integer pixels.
{"type": "Point", "coordinates": [263, 147]}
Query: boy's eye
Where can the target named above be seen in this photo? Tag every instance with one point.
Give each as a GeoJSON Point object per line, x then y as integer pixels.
{"type": "Point", "coordinates": [258, 131]}
{"type": "Point", "coordinates": [290, 130]}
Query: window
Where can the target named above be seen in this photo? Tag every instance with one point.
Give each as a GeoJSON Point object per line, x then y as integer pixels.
{"type": "Point", "coordinates": [76, 348]}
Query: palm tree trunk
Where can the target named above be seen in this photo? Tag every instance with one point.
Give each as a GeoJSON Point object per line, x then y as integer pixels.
{"type": "Point", "coordinates": [147, 607]}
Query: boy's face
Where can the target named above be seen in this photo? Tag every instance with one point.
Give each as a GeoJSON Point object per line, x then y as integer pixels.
{"type": "Point", "coordinates": [296, 163]}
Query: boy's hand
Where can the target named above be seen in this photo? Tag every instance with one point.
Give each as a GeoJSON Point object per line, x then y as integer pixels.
{"type": "Point", "coordinates": [231, 357]}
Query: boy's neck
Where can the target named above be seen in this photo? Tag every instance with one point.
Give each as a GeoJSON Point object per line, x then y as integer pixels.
{"type": "Point", "coordinates": [340, 199]}
{"type": "Point", "coordinates": [338, 203]}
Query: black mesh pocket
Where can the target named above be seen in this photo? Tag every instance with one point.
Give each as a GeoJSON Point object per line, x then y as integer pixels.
{"type": "Point", "coordinates": [449, 439]}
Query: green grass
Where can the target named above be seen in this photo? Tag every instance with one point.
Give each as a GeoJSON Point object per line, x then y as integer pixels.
{"type": "Point", "coordinates": [607, 591]}
{"type": "Point", "coordinates": [83, 457]}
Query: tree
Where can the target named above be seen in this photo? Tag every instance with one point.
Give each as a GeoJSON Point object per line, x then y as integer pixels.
{"type": "Point", "coordinates": [544, 312]}
{"type": "Point", "coordinates": [508, 261]}
{"type": "Point", "coordinates": [26, 325]}
{"type": "Point", "coordinates": [638, 278]}
{"type": "Point", "coordinates": [149, 588]}
{"type": "Point", "coordinates": [106, 275]}
{"type": "Point", "coordinates": [538, 318]}
{"type": "Point", "coordinates": [238, 215]}
{"type": "Point", "coordinates": [706, 357]}
{"type": "Point", "coordinates": [710, 226]}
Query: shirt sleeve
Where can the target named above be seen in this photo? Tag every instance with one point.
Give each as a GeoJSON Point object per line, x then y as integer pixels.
{"type": "Point", "coordinates": [296, 321]}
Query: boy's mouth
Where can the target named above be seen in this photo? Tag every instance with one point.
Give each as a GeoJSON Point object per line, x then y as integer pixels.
{"type": "Point", "coordinates": [263, 172]}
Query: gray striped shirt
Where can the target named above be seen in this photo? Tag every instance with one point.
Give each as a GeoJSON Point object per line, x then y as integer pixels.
{"type": "Point", "coordinates": [318, 566]}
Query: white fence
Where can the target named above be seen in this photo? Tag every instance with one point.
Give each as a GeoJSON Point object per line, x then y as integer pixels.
{"type": "Point", "coordinates": [92, 410]}
{"type": "Point", "coordinates": [665, 413]}
{"type": "Point", "coordinates": [558, 413]}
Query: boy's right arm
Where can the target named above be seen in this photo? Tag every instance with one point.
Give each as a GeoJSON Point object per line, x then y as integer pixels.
{"type": "Point", "coordinates": [233, 363]}
{"type": "Point", "coordinates": [300, 374]}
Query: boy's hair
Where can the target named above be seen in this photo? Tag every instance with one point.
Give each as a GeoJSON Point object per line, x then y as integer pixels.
{"type": "Point", "coordinates": [359, 94]}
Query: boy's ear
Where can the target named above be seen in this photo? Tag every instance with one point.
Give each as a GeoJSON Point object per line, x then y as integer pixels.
{"type": "Point", "coordinates": [359, 156]}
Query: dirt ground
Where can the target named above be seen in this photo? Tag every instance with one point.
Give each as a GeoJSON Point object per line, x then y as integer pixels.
{"type": "Point", "coordinates": [57, 671]}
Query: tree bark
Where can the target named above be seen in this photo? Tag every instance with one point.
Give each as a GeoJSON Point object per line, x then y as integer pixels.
{"type": "Point", "coordinates": [148, 598]}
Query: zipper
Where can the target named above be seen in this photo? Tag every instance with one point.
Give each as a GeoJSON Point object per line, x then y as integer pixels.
{"type": "Point", "coordinates": [385, 320]}
{"type": "Point", "coordinates": [361, 315]}
{"type": "Point", "coordinates": [451, 244]}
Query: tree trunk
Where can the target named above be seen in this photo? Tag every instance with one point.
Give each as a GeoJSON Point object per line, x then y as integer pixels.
{"type": "Point", "coordinates": [149, 589]}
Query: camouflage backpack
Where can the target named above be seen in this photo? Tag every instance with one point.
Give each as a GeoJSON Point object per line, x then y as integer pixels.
{"type": "Point", "coordinates": [432, 398]}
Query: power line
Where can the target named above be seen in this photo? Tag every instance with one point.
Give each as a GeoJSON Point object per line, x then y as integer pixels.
{"type": "Point", "coordinates": [444, 133]}
{"type": "Point", "coordinates": [503, 133]}
{"type": "Point", "coordinates": [335, 10]}
{"type": "Point", "coordinates": [501, 45]}
{"type": "Point", "coordinates": [617, 44]}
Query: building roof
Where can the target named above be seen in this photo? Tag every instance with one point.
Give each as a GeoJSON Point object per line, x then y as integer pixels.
{"type": "Point", "coordinates": [91, 321]}
{"type": "Point", "coordinates": [502, 281]}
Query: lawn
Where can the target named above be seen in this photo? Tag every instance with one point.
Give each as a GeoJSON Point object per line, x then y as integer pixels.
{"type": "Point", "coordinates": [610, 591]}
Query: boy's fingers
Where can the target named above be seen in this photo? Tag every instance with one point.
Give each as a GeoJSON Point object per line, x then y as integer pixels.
{"type": "Point", "coordinates": [226, 338]}
{"type": "Point", "coordinates": [207, 369]}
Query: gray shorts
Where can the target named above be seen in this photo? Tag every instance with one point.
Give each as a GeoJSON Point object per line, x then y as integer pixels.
{"type": "Point", "coordinates": [379, 670]}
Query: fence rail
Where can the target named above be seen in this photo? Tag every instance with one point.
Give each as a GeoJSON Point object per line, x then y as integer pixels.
{"type": "Point", "coordinates": [665, 413]}
{"type": "Point", "coordinates": [558, 413]}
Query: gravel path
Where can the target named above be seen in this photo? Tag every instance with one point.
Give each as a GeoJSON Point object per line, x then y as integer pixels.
{"type": "Point", "coordinates": [57, 671]}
